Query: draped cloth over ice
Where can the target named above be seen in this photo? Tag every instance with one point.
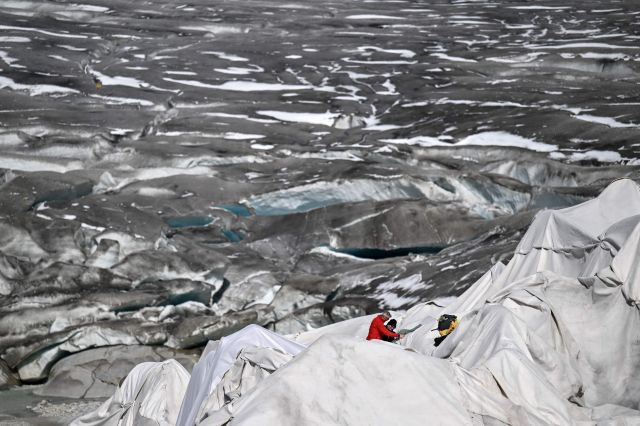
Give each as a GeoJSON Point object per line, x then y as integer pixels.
{"type": "Point", "coordinates": [351, 381]}
{"type": "Point", "coordinates": [252, 365]}
{"type": "Point", "coordinates": [553, 331]}
{"type": "Point", "coordinates": [209, 371]}
{"type": "Point", "coordinates": [149, 395]}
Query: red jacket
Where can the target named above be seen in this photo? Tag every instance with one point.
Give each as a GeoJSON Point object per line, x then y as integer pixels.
{"type": "Point", "coordinates": [377, 329]}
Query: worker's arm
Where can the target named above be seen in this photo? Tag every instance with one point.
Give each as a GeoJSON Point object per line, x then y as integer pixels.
{"type": "Point", "coordinates": [385, 331]}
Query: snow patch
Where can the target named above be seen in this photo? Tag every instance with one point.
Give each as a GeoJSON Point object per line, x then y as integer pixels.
{"type": "Point", "coordinates": [261, 147]}
{"type": "Point", "coordinates": [506, 139]}
{"type": "Point", "coordinates": [589, 45]}
{"type": "Point", "coordinates": [10, 39]}
{"type": "Point", "coordinates": [36, 30]}
{"type": "Point", "coordinates": [227, 56]}
{"type": "Point", "coordinates": [120, 81]}
{"type": "Point", "coordinates": [114, 100]}
{"type": "Point", "coordinates": [424, 141]}
{"type": "Point", "coordinates": [405, 53]}
{"type": "Point", "coordinates": [326, 251]}
{"type": "Point", "coordinates": [601, 156]}
{"type": "Point", "coordinates": [236, 70]}
{"type": "Point", "coordinates": [241, 86]}
{"type": "Point", "coordinates": [607, 121]}
{"type": "Point", "coordinates": [35, 89]}
{"type": "Point", "coordinates": [371, 16]}
{"type": "Point", "coordinates": [267, 298]}
{"type": "Point", "coordinates": [452, 58]}
{"type": "Point", "coordinates": [241, 136]}
{"type": "Point", "coordinates": [324, 118]}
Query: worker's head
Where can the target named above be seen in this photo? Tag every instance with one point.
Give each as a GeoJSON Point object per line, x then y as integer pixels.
{"type": "Point", "coordinates": [391, 325]}
{"type": "Point", "coordinates": [386, 315]}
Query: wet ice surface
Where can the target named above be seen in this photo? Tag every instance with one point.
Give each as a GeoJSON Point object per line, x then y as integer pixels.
{"type": "Point", "coordinates": [21, 407]}
{"type": "Point", "coordinates": [165, 164]}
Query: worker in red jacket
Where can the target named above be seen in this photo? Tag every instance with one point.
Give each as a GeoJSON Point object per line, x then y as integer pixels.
{"type": "Point", "coordinates": [377, 329]}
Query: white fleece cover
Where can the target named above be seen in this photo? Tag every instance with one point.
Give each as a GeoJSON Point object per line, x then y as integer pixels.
{"type": "Point", "coordinates": [551, 338]}
{"type": "Point", "coordinates": [149, 395]}
{"type": "Point", "coordinates": [252, 365]}
{"type": "Point", "coordinates": [209, 371]}
{"type": "Point", "coordinates": [351, 381]}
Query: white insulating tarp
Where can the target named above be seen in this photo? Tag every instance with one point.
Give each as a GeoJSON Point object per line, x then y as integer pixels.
{"type": "Point", "coordinates": [556, 327]}
{"type": "Point", "coordinates": [355, 327]}
{"type": "Point", "coordinates": [252, 365]}
{"type": "Point", "coordinates": [579, 240]}
{"type": "Point", "coordinates": [351, 381]}
{"type": "Point", "coordinates": [209, 371]}
{"type": "Point", "coordinates": [625, 267]}
{"type": "Point", "coordinates": [149, 395]}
